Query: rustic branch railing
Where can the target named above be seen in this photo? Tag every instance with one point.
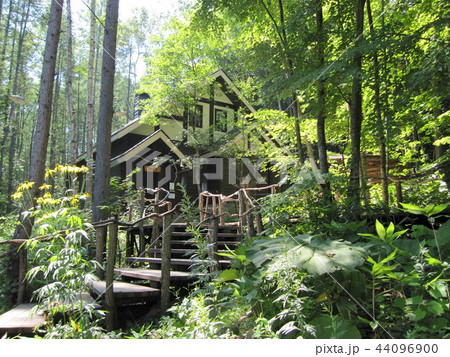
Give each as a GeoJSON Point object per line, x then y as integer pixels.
{"type": "Point", "coordinates": [214, 204]}
{"type": "Point", "coordinates": [113, 226]}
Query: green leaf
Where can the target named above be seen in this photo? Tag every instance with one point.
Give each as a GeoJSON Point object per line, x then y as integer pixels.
{"type": "Point", "coordinates": [319, 256]}
{"type": "Point", "coordinates": [419, 314]}
{"type": "Point", "coordinates": [327, 327]}
{"type": "Point", "coordinates": [432, 210]}
{"type": "Point", "coordinates": [227, 275]}
{"type": "Point", "coordinates": [390, 230]}
{"type": "Point", "coordinates": [400, 303]}
{"type": "Point", "coordinates": [410, 246]}
{"type": "Point", "coordinates": [438, 290]}
{"type": "Point", "coordinates": [389, 257]}
{"type": "Point", "coordinates": [380, 230]}
{"type": "Point", "coordinates": [435, 308]}
{"type": "Point", "coordinates": [443, 234]}
{"type": "Point", "coordinates": [412, 208]}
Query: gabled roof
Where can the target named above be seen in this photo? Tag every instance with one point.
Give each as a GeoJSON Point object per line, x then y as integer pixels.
{"type": "Point", "coordinates": [137, 150]}
{"type": "Point", "coordinates": [221, 74]}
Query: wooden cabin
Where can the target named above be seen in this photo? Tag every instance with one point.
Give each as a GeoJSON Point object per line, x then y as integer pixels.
{"type": "Point", "coordinates": [164, 155]}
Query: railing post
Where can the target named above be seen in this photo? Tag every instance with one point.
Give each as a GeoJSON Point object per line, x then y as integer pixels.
{"type": "Point", "coordinates": [100, 234]}
{"type": "Point", "coordinates": [156, 222]}
{"type": "Point", "coordinates": [221, 211]}
{"type": "Point", "coordinates": [111, 316]}
{"type": "Point", "coordinates": [129, 244]}
{"type": "Point", "coordinates": [259, 224]}
{"type": "Point", "coordinates": [200, 206]}
{"type": "Point", "coordinates": [242, 208]}
{"type": "Point", "coordinates": [23, 259]}
{"type": "Point", "coordinates": [141, 224]}
{"type": "Point", "coordinates": [165, 263]}
{"type": "Point", "coordinates": [211, 237]}
{"type": "Point", "coordinates": [250, 225]}
{"type": "Point", "coordinates": [214, 205]}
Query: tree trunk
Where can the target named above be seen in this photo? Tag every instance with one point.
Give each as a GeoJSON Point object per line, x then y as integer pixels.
{"type": "Point", "coordinates": [69, 89]}
{"type": "Point", "coordinates": [378, 112]}
{"type": "Point", "coordinates": [54, 124]}
{"type": "Point", "coordinates": [101, 187]}
{"type": "Point", "coordinates": [321, 138]}
{"type": "Point", "coordinates": [356, 113]}
{"type": "Point", "coordinates": [111, 315]}
{"type": "Point", "coordinates": [39, 152]}
{"type": "Point", "coordinates": [90, 103]}
{"type": "Point", "coordinates": [15, 125]}
{"type": "Point", "coordinates": [7, 125]}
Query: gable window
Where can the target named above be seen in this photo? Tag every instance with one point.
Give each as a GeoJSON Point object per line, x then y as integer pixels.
{"type": "Point", "coordinates": [220, 120]}
{"type": "Point", "coordinates": [198, 116]}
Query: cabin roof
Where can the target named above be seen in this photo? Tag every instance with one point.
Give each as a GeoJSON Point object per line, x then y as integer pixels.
{"type": "Point", "coordinates": [235, 95]}
{"type": "Point", "coordinates": [136, 150]}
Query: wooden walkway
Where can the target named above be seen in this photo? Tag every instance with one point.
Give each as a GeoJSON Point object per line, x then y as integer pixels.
{"type": "Point", "coordinates": [127, 294]}
{"type": "Point", "coordinates": [152, 274]}
{"type": "Point", "coordinates": [20, 321]}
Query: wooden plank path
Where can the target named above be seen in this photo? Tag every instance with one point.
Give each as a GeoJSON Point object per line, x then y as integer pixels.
{"type": "Point", "coordinates": [125, 293]}
{"type": "Point", "coordinates": [188, 262]}
{"type": "Point", "coordinates": [20, 321]}
{"type": "Point", "coordinates": [152, 274]}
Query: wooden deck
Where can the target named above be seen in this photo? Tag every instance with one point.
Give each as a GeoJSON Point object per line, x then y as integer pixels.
{"type": "Point", "coordinates": [188, 262]}
{"type": "Point", "coordinates": [125, 293]}
{"type": "Point", "coordinates": [152, 274]}
{"type": "Point", "coordinates": [20, 321]}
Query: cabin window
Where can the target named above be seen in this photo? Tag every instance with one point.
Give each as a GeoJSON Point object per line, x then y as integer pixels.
{"type": "Point", "coordinates": [198, 116]}
{"type": "Point", "coordinates": [220, 120]}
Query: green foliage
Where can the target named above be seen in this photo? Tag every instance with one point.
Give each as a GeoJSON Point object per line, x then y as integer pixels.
{"type": "Point", "coordinates": [58, 250]}
{"type": "Point", "coordinates": [314, 254]}
{"type": "Point", "coordinates": [329, 326]}
{"type": "Point", "coordinates": [387, 283]}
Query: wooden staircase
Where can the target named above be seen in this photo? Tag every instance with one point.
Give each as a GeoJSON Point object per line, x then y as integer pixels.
{"type": "Point", "coordinates": [140, 280]}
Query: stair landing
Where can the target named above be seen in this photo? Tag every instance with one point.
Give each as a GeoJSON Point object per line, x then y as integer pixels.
{"type": "Point", "coordinates": [20, 321]}
{"type": "Point", "coordinates": [152, 274]}
{"type": "Point", "coordinates": [127, 294]}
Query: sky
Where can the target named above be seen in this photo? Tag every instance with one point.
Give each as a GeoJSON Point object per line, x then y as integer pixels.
{"type": "Point", "coordinates": [154, 7]}
{"type": "Point", "coordinates": [126, 6]}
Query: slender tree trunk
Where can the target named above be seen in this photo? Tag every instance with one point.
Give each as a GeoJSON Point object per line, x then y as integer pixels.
{"type": "Point", "coordinates": [321, 138]}
{"type": "Point", "coordinates": [2, 61]}
{"type": "Point", "coordinates": [129, 111]}
{"type": "Point", "coordinates": [54, 142]}
{"type": "Point", "coordinates": [13, 113]}
{"type": "Point", "coordinates": [69, 89]}
{"type": "Point", "coordinates": [39, 152]}
{"type": "Point", "coordinates": [356, 115]}
{"type": "Point", "coordinates": [90, 103]}
{"type": "Point", "coordinates": [378, 112]}
{"type": "Point", "coordinates": [298, 135]}
{"type": "Point", "coordinates": [103, 158]}
{"type": "Point", "coordinates": [5, 38]}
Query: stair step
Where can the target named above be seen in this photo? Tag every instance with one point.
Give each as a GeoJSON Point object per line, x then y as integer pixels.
{"type": "Point", "coordinates": [152, 274]}
{"type": "Point", "coordinates": [173, 251]}
{"type": "Point", "coordinates": [126, 293]}
{"type": "Point", "coordinates": [219, 234]}
{"type": "Point", "coordinates": [188, 242]}
{"type": "Point", "coordinates": [178, 251]}
{"type": "Point", "coordinates": [132, 260]}
{"type": "Point", "coordinates": [20, 321]}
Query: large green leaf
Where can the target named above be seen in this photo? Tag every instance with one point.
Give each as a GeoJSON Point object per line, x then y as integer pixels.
{"type": "Point", "coordinates": [327, 327]}
{"type": "Point", "coordinates": [314, 254]}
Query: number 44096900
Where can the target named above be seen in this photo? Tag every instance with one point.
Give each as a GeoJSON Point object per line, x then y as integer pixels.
{"type": "Point", "coordinates": [407, 348]}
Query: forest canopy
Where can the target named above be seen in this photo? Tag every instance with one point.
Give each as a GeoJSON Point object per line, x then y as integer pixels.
{"type": "Point", "coordinates": [353, 97]}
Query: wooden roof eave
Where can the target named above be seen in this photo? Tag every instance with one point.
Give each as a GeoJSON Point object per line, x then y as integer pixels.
{"type": "Point", "coordinates": [135, 150]}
